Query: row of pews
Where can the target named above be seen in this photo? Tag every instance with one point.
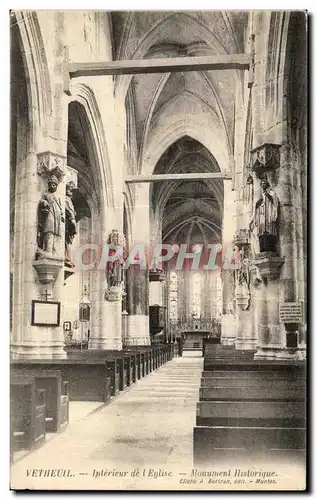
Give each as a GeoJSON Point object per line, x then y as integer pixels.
{"type": "Point", "coordinates": [249, 409]}
{"type": "Point", "coordinates": [40, 390]}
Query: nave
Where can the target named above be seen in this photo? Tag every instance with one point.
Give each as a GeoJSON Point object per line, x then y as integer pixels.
{"type": "Point", "coordinates": [151, 212]}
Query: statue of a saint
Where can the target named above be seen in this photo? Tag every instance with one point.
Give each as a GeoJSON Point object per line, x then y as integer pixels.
{"type": "Point", "coordinates": [243, 276]}
{"type": "Point", "coordinates": [115, 267]}
{"type": "Point", "coordinates": [265, 218]}
{"type": "Point", "coordinates": [70, 223]}
{"type": "Point", "coordinates": [50, 219]}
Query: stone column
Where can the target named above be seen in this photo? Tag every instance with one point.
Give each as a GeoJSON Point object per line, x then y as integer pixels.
{"type": "Point", "coordinates": [42, 146]}
{"type": "Point", "coordinates": [228, 322]}
{"type": "Point", "coordinates": [138, 307]}
{"type": "Point", "coordinates": [246, 334]}
{"type": "Point", "coordinates": [269, 328]}
{"type": "Point", "coordinates": [289, 233]}
{"type": "Point", "coordinates": [138, 275]}
{"type": "Point", "coordinates": [39, 280]}
{"type": "Point", "coordinates": [108, 334]}
{"type": "Point", "coordinates": [156, 292]}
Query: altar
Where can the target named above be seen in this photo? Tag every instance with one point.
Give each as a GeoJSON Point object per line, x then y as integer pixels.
{"type": "Point", "coordinates": [194, 331]}
{"type": "Point", "coordinates": [193, 339]}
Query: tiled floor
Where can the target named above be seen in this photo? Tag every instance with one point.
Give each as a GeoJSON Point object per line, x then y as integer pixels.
{"type": "Point", "coordinates": [149, 425]}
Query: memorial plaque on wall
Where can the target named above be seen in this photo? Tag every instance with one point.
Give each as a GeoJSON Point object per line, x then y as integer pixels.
{"type": "Point", "coordinates": [291, 312]}
{"type": "Point", "coordinates": [45, 313]}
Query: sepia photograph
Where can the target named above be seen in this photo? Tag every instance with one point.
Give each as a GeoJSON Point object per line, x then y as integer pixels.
{"type": "Point", "coordinates": [158, 250]}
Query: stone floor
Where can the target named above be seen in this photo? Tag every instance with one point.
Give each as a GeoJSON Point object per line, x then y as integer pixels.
{"type": "Point", "coordinates": [149, 426]}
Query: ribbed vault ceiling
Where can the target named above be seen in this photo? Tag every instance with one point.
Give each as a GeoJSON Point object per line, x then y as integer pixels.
{"type": "Point", "coordinates": [190, 210]}
{"type": "Point", "coordinates": [159, 104]}
{"type": "Point", "coordinates": [139, 35]}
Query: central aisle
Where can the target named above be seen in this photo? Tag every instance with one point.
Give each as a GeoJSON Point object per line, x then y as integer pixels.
{"type": "Point", "coordinates": [149, 425]}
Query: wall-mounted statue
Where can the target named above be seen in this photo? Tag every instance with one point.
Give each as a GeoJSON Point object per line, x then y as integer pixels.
{"type": "Point", "coordinates": [50, 219]}
{"type": "Point", "coordinates": [243, 275]}
{"type": "Point", "coordinates": [115, 268]}
{"type": "Point", "coordinates": [70, 223]}
{"type": "Point", "coordinates": [243, 281]}
{"type": "Point", "coordinates": [265, 218]}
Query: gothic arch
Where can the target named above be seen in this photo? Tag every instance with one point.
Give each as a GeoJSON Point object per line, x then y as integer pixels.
{"type": "Point", "coordinates": [184, 127]}
{"type": "Point", "coordinates": [36, 71]}
{"type": "Point", "coordinates": [83, 94]}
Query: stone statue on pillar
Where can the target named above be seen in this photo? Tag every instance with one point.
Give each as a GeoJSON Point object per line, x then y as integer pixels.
{"type": "Point", "coordinates": [115, 267]}
{"type": "Point", "coordinates": [243, 272]}
{"type": "Point", "coordinates": [265, 218]}
{"type": "Point", "coordinates": [50, 219]}
{"type": "Point", "coordinates": [70, 223]}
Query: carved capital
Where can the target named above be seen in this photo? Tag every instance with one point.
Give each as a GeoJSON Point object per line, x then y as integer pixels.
{"type": "Point", "coordinates": [49, 163]}
{"type": "Point", "coordinates": [269, 265]}
{"type": "Point", "coordinates": [265, 158]}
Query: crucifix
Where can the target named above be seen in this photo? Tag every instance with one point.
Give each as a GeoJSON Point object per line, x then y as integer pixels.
{"type": "Point", "coordinates": [46, 295]}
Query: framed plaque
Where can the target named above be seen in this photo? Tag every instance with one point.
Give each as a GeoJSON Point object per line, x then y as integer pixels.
{"type": "Point", "coordinates": [67, 326]}
{"type": "Point", "coordinates": [291, 312]}
{"type": "Point", "coordinates": [45, 313]}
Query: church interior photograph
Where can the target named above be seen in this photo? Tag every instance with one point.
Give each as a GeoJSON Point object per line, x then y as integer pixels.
{"type": "Point", "coordinates": [158, 249]}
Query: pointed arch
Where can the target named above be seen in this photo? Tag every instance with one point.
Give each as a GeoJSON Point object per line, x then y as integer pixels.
{"type": "Point", "coordinates": [184, 127]}
{"type": "Point", "coordinates": [36, 70]}
{"type": "Point", "coordinates": [84, 95]}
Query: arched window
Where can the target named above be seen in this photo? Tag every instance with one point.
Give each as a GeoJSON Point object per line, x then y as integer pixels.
{"type": "Point", "coordinates": [196, 296]}
{"type": "Point", "coordinates": [215, 295]}
{"type": "Point", "coordinates": [173, 298]}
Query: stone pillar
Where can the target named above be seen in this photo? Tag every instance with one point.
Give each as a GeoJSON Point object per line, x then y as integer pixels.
{"type": "Point", "coordinates": [45, 152]}
{"type": "Point", "coordinates": [228, 320]}
{"type": "Point", "coordinates": [43, 279]}
{"type": "Point", "coordinates": [246, 334]}
{"type": "Point", "coordinates": [138, 275]}
{"type": "Point", "coordinates": [289, 234]}
{"type": "Point", "coordinates": [269, 265]}
{"type": "Point", "coordinates": [228, 323]}
{"type": "Point", "coordinates": [138, 307]}
{"type": "Point", "coordinates": [124, 316]}
{"type": "Point", "coordinates": [156, 293]}
{"type": "Point", "coordinates": [108, 334]}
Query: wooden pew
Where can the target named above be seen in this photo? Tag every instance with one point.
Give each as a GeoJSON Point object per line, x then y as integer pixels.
{"type": "Point", "coordinates": [261, 392]}
{"type": "Point", "coordinates": [251, 413]}
{"type": "Point", "coordinates": [244, 365]}
{"type": "Point", "coordinates": [146, 363]}
{"type": "Point", "coordinates": [124, 363]}
{"type": "Point", "coordinates": [250, 408]}
{"type": "Point", "coordinates": [56, 396]}
{"type": "Point", "coordinates": [133, 368]}
{"type": "Point", "coordinates": [113, 378]}
{"type": "Point", "coordinates": [150, 361]}
{"type": "Point", "coordinates": [213, 444]}
{"type": "Point", "coordinates": [266, 374]}
{"type": "Point", "coordinates": [27, 413]}
{"type": "Point", "coordinates": [88, 378]}
{"type": "Point", "coordinates": [155, 354]}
